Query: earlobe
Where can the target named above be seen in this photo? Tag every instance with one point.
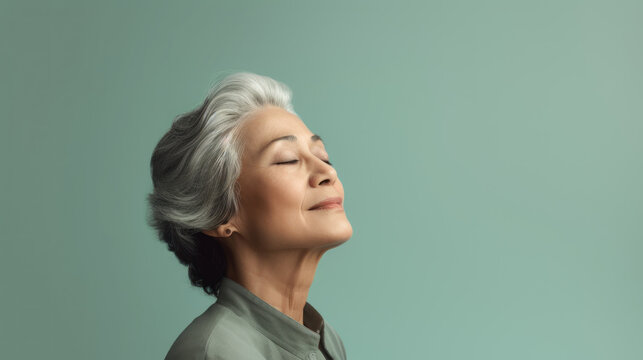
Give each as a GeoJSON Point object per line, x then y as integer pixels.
{"type": "Point", "coordinates": [219, 231]}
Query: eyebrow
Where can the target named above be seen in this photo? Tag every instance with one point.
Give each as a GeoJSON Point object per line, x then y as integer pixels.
{"type": "Point", "coordinates": [292, 138]}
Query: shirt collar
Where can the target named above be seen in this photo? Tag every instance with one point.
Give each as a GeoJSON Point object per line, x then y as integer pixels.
{"type": "Point", "coordinates": [277, 326]}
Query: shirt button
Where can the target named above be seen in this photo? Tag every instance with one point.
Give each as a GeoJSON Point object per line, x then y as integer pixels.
{"type": "Point", "coordinates": [312, 356]}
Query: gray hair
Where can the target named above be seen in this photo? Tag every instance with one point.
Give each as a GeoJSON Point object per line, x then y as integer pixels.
{"type": "Point", "coordinates": [195, 167]}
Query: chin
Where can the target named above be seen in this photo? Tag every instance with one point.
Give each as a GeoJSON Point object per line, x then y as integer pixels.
{"type": "Point", "coordinates": [339, 235]}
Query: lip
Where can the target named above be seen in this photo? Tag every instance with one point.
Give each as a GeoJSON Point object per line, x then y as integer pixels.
{"type": "Point", "coordinates": [329, 203]}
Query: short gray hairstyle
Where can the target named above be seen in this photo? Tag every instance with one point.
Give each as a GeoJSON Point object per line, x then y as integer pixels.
{"type": "Point", "coordinates": [195, 167]}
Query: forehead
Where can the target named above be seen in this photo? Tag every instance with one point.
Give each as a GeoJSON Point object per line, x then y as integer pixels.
{"type": "Point", "coordinates": [268, 123]}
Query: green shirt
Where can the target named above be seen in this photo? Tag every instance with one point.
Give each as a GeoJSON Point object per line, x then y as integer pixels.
{"type": "Point", "coordinates": [241, 326]}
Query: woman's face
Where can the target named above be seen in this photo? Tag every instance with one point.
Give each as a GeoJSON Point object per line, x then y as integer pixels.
{"type": "Point", "coordinates": [275, 198]}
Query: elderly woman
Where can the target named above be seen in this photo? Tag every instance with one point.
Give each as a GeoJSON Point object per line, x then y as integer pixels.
{"type": "Point", "coordinates": [245, 196]}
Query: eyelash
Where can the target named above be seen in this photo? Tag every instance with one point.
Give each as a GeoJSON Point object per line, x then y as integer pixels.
{"type": "Point", "coordinates": [294, 161]}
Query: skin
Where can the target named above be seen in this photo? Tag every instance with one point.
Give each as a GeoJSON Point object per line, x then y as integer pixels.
{"type": "Point", "coordinates": [275, 242]}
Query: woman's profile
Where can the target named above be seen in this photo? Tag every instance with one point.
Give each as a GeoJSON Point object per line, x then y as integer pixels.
{"type": "Point", "coordinates": [246, 197]}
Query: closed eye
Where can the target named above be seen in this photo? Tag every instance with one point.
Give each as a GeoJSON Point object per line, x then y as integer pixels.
{"type": "Point", "coordinates": [294, 161]}
{"type": "Point", "coordinates": [287, 162]}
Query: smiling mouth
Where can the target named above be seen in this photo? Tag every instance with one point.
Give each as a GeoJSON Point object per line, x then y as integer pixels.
{"type": "Point", "coordinates": [327, 202]}
{"type": "Point", "coordinates": [328, 207]}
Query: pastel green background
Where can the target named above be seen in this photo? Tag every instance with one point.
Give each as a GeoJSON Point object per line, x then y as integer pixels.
{"type": "Point", "coordinates": [490, 154]}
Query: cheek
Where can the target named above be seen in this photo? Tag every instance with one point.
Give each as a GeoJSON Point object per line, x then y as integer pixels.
{"type": "Point", "coordinates": [275, 212]}
{"type": "Point", "coordinates": [274, 197]}
{"type": "Point", "coordinates": [284, 194]}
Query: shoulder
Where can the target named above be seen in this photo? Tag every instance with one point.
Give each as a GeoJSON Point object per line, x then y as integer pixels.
{"type": "Point", "coordinates": [333, 342]}
{"type": "Point", "coordinates": [216, 334]}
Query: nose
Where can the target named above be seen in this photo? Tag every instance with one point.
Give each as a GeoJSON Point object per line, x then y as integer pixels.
{"type": "Point", "coordinates": [322, 173]}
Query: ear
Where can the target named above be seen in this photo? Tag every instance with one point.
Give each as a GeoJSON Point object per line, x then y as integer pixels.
{"type": "Point", "coordinates": [221, 231]}
{"type": "Point", "coordinates": [224, 230]}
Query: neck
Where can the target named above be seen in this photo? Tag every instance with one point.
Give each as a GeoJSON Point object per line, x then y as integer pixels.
{"type": "Point", "coordinates": [280, 278]}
